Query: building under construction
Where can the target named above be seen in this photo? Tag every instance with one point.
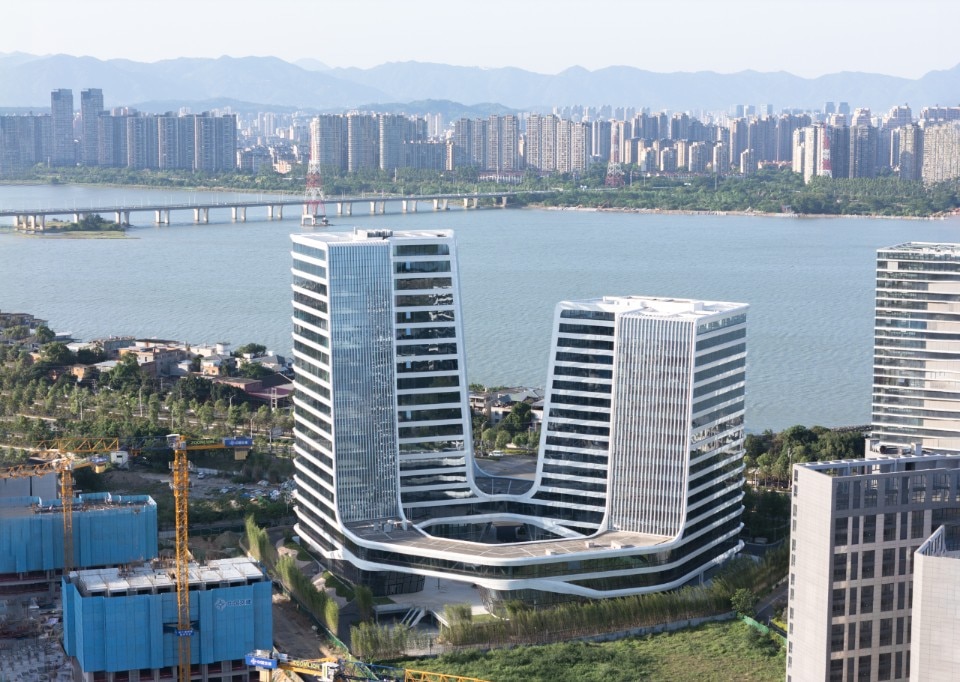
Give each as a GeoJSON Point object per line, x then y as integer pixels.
{"type": "Point", "coordinates": [121, 625]}
{"type": "Point", "coordinates": [108, 530]}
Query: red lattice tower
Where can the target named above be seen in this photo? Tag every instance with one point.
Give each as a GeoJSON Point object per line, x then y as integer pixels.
{"type": "Point", "coordinates": [614, 169]}
{"type": "Point", "coordinates": [313, 205]}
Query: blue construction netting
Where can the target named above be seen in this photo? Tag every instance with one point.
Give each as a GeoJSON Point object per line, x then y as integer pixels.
{"type": "Point", "coordinates": [107, 530]}
{"type": "Point", "coordinates": [117, 633]}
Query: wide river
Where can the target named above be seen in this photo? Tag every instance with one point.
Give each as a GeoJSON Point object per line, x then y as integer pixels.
{"type": "Point", "coordinates": [809, 282]}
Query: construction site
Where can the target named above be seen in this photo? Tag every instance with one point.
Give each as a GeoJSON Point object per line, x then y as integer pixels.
{"type": "Point", "coordinates": [88, 595]}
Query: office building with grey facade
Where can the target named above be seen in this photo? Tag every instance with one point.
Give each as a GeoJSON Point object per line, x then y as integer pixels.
{"type": "Point", "coordinates": [856, 529]}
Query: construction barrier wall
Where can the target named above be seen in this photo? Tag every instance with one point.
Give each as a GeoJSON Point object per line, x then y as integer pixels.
{"type": "Point", "coordinates": [108, 530]}
{"type": "Point", "coordinates": [117, 633]}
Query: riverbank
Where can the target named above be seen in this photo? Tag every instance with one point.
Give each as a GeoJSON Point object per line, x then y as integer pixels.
{"type": "Point", "coordinates": [43, 234]}
{"type": "Point", "coordinates": [754, 214]}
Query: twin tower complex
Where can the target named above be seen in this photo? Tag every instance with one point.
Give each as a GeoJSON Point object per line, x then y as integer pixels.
{"type": "Point", "coordinates": [639, 474]}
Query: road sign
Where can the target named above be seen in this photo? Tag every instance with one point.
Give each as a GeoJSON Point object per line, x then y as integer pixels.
{"type": "Point", "coordinates": [238, 442]}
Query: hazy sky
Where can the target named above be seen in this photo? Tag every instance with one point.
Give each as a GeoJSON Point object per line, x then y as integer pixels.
{"type": "Point", "coordinates": [805, 37]}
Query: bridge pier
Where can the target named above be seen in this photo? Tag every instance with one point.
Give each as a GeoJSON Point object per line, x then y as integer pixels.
{"type": "Point", "coordinates": [409, 205]}
{"type": "Point", "coordinates": [201, 215]}
{"type": "Point", "coordinates": [378, 207]}
{"type": "Point", "coordinates": [161, 216]}
{"type": "Point", "coordinates": [275, 211]}
{"type": "Point", "coordinates": [503, 201]}
{"type": "Point", "coordinates": [239, 213]}
{"type": "Point", "coordinates": [77, 216]}
{"type": "Point", "coordinates": [121, 217]}
{"type": "Point", "coordinates": [440, 204]}
{"type": "Point", "coordinates": [344, 208]}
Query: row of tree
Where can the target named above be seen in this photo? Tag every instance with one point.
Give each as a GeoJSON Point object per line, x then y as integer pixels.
{"type": "Point", "coordinates": [285, 569]}
{"type": "Point", "coordinates": [580, 619]}
{"type": "Point", "coordinates": [770, 455]}
{"type": "Point", "coordinates": [767, 191]}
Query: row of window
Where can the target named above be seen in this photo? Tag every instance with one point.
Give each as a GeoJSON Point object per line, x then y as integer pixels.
{"type": "Point", "coordinates": [585, 372]}
{"type": "Point", "coordinates": [720, 339]}
{"type": "Point", "coordinates": [418, 267]}
{"type": "Point", "coordinates": [427, 283]}
{"type": "Point", "coordinates": [588, 329]}
{"type": "Point", "coordinates": [714, 325]}
{"type": "Point", "coordinates": [423, 300]}
{"type": "Point", "coordinates": [401, 250]}
{"type": "Point", "coordinates": [863, 566]}
{"type": "Point", "coordinates": [311, 269]}
{"type": "Point", "coordinates": [310, 318]}
{"type": "Point", "coordinates": [310, 251]}
{"type": "Point", "coordinates": [424, 333]}
{"type": "Point", "coordinates": [420, 316]}
{"type": "Point", "coordinates": [573, 314]}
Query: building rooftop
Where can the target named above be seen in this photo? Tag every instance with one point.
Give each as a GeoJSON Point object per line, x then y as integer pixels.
{"type": "Point", "coordinates": [944, 249]}
{"type": "Point", "coordinates": [507, 553]}
{"type": "Point", "coordinates": [883, 464]}
{"type": "Point", "coordinates": [362, 234]}
{"type": "Point", "coordinates": [149, 579]}
{"type": "Point", "coordinates": [654, 306]}
{"type": "Point", "coordinates": [14, 507]}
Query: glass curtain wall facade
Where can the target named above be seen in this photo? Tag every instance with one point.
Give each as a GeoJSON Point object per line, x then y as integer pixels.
{"type": "Point", "coordinates": [639, 475]}
{"type": "Point", "coordinates": [916, 367]}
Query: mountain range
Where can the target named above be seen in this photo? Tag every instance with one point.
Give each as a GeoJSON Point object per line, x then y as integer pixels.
{"type": "Point", "coordinates": [257, 83]}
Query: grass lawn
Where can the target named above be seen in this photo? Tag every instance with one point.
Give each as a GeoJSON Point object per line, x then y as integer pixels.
{"type": "Point", "coordinates": [720, 652]}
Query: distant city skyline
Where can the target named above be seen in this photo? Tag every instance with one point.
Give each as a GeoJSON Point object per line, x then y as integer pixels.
{"type": "Point", "coordinates": [820, 37]}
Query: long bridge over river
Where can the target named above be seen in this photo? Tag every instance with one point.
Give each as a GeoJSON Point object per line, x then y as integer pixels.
{"type": "Point", "coordinates": [36, 218]}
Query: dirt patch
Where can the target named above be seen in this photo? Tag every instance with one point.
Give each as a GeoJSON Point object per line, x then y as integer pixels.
{"type": "Point", "coordinates": [132, 483]}
{"type": "Point", "coordinates": [293, 631]}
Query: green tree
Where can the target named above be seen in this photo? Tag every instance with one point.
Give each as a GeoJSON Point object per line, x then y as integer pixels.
{"type": "Point", "coordinates": [57, 353]}
{"type": "Point", "coordinates": [16, 332]}
{"type": "Point", "coordinates": [503, 439]}
{"type": "Point", "coordinates": [44, 334]}
{"type": "Point", "coordinates": [364, 597]}
{"type": "Point", "coordinates": [126, 375]}
{"type": "Point", "coordinates": [205, 415]}
{"type": "Point", "coordinates": [489, 437]}
{"type": "Point", "coordinates": [253, 370]}
{"type": "Point", "coordinates": [253, 349]}
{"type": "Point", "coordinates": [153, 410]}
{"type": "Point", "coordinates": [743, 602]}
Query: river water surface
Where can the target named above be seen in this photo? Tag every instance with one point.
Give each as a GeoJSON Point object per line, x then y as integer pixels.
{"type": "Point", "coordinates": [809, 282]}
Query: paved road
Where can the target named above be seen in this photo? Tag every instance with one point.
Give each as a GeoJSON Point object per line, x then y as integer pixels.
{"type": "Point", "coordinates": [769, 604]}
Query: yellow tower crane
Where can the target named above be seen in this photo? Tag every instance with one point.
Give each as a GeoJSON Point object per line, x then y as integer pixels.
{"type": "Point", "coordinates": [333, 669]}
{"type": "Point", "coordinates": [60, 457]}
{"type": "Point", "coordinates": [181, 497]}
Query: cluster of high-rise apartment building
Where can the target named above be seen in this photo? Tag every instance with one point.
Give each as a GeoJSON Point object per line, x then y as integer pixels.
{"type": "Point", "coordinates": [121, 138]}
{"type": "Point", "coordinates": [839, 144]}
{"type": "Point", "coordinates": [835, 142]}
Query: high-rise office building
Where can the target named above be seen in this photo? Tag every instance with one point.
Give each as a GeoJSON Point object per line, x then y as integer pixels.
{"type": "Point", "coordinates": [61, 109]}
{"type": "Point", "coordinates": [640, 453]}
{"type": "Point", "coordinates": [916, 362]}
{"type": "Point", "coordinates": [856, 528]}
{"type": "Point", "coordinates": [91, 106]}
